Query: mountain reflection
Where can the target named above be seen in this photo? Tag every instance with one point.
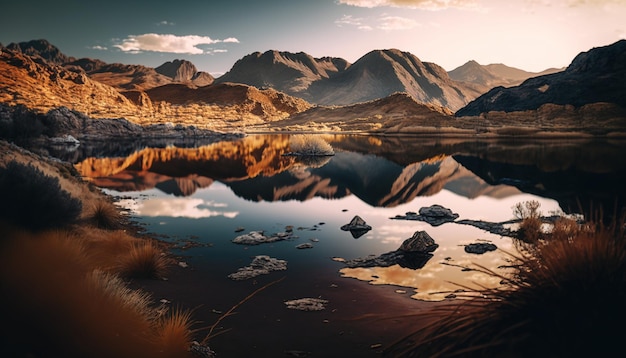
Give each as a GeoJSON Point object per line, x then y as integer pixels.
{"type": "Point", "coordinates": [256, 169]}
{"type": "Point", "coordinates": [381, 171]}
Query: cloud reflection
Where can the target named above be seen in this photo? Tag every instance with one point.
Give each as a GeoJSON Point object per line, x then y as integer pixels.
{"type": "Point", "coordinates": [194, 208]}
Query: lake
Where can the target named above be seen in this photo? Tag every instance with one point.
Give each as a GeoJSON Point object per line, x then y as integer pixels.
{"type": "Point", "coordinates": [202, 196]}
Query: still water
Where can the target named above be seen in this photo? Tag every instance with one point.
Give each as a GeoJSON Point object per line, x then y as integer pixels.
{"type": "Point", "coordinates": [203, 195]}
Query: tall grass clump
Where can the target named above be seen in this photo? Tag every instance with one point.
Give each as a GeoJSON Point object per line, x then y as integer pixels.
{"type": "Point", "coordinates": [174, 331]}
{"type": "Point", "coordinates": [309, 144]}
{"type": "Point", "coordinates": [33, 200]}
{"type": "Point", "coordinates": [53, 303]}
{"type": "Point", "coordinates": [105, 215]}
{"type": "Point", "coordinates": [144, 260]}
{"type": "Point", "coordinates": [565, 299]}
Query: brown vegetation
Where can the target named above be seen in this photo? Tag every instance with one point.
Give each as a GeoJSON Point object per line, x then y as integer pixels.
{"type": "Point", "coordinates": [62, 290]}
{"type": "Point", "coordinates": [564, 298]}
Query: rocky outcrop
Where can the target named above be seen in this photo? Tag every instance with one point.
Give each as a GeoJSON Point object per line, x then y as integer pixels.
{"type": "Point", "coordinates": [413, 253]}
{"type": "Point", "coordinates": [598, 75]}
{"type": "Point", "coordinates": [357, 227]}
{"type": "Point", "coordinates": [184, 71]}
{"type": "Point", "coordinates": [435, 215]}
{"type": "Point", "coordinates": [41, 48]}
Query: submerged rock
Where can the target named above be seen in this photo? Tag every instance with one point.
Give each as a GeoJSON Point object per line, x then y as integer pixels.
{"type": "Point", "coordinates": [494, 228]}
{"type": "Point", "coordinates": [435, 215]}
{"type": "Point", "coordinates": [307, 304]}
{"type": "Point", "coordinates": [480, 248]}
{"type": "Point", "coordinates": [413, 253]}
{"type": "Point", "coordinates": [260, 265]}
{"type": "Point", "coordinates": [257, 238]}
{"type": "Point", "coordinates": [357, 227]}
{"type": "Point", "coordinates": [305, 245]}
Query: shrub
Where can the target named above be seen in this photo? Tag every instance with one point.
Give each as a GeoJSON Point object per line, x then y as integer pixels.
{"type": "Point", "coordinates": [34, 200]}
{"type": "Point", "coordinates": [530, 227]}
{"type": "Point", "coordinates": [23, 124]}
{"type": "Point", "coordinates": [143, 261]}
{"type": "Point", "coordinates": [309, 144]}
{"type": "Point", "coordinates": [566, 299]}
{"type": "Point", "coordinates": [105, 215]}
{"type": "Point", "coordinates": [174, 331]}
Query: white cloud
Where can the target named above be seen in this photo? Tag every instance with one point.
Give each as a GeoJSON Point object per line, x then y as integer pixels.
{"type": "Point", "coordinates": [98, 47]}
{"type": "Point", "coordinates": [231, 40]}
{"type": "Point", "coordinates": [396, 23]}
{"type": "Point", "coordinates": [182, 207]}
{"type": "Point", "coordinates": [384, 22]}
{"type": "Point", "coordinates": [165, 23]}
{"type": "Point", "coordinates": [414, 4]}
{"type": "Point", "coordinates": [167, 43]}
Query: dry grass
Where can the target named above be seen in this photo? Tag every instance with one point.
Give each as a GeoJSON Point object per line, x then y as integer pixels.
{"type": "Point", "coordinates": [105, 215]}
{"type": "Point", "coordinates": [144, 260]}
{"type": "Point", "coordinates": [55, 305]}
{"type": "Point", "coordinates": [566, 299]}
{"type": "Point", "coordinates": [174, 331]}
{"type": "Point", "coordinates": [309, 144]}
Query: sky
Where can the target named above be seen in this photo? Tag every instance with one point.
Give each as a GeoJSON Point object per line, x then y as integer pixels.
{"type": "Point", "coordinates": [532, 35]}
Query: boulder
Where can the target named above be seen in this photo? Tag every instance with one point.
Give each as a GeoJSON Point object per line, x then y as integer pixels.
{"type": "Point", "coordinates": [413, 253]}
{"type": "Point", "coordinates": [420, 242]}
{"type": "Point", "coordinates": [480, 248]}
{"type": "Point", "coordinates": [357, 227]}
{"type": "Point", "coordinates": [437, 215]}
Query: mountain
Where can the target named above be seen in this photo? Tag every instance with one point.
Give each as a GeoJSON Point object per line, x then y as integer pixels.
{"type": "Point", "coordinates": [287, 72]}
{"type": "Point", "coordinates": [333, 81]}
{"type": "Point", "coordinates": [41, 48]}
{"type": "Point", "coordinates": [97, 89]}
{"type": "Point", "coordinates": [515, 74]}
{"type": "Point", "coordinates": [248, 98]}
{"type": "Point", "coordinates": [494, 75]}
{"type": "Point", "coordinates": [255, 168]}
{"type": "Point", "coordinates": [184, 71]}
{"type": "Point", "coordinates": [598, 75]}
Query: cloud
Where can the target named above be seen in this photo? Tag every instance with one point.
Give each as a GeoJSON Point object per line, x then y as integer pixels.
{"type": "Point", "coordinates": [385, 22]}
{"type": "Point", "coordinates": [165, 23]}
{"type": "Point", "coordinates": [194, 208]}
{"type": "Point", "coordinates": [396, 23]}
{"type": "Point", "coordinates": [98, 47]}
{"type": "Point", "coordinates": [168, 43]}
{"type": "Point", "coordinates": [350, 20]}
{"type": "Point", "coordinates": [415, 4]}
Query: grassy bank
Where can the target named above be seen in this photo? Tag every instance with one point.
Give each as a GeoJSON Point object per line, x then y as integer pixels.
{"type": "Point", "coordinates": [66, 258]}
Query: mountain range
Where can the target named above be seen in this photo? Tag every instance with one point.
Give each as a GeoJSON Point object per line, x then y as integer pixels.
{"type": "Point", "coordinates": [269, 89]}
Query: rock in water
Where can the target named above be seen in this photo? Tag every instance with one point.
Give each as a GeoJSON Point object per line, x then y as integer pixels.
{"type": "Point", "coordinates": [307, 304]}
{"type": "Point", "coordinates": [260, 265]}
{"type": "Point", "coordinates": [357, 227]}
{"type": "Point", "coordinates": [480, 248]}
{"type": "Point", "coordinates": [437, 215]}
{"type": "Point", "coordinates": [420, 242]}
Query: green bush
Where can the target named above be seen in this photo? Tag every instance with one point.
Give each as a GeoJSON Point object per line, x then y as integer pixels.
{"type": "Point", "coordinates": [33, 200]}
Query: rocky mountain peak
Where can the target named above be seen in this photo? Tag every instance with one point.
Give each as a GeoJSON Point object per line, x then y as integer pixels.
{"type": "Point", "coordinates": [43, 49]}
{"type": "Point", "coordinates": [596, 76]}
{"type": "Point", "coordinates": [178, 70]}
